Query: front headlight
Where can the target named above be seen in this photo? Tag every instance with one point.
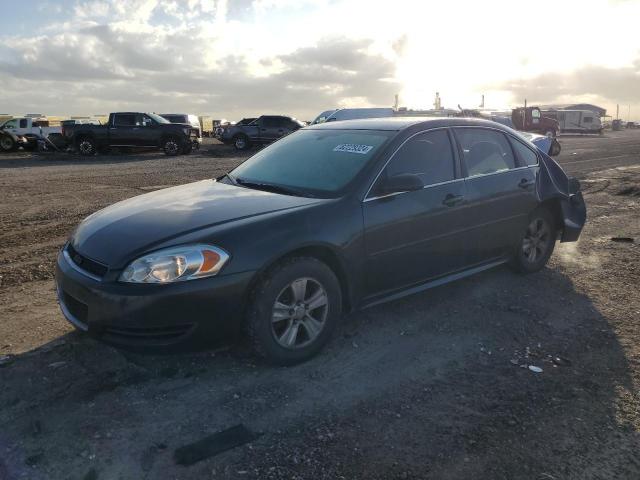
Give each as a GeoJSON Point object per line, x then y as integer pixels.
{"type": "Point", "coordinates": [176, 264]}
{"type": "Point", "coordinates": [187, 131]}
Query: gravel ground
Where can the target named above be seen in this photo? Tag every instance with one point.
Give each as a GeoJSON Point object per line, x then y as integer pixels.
{"type": "Point", "coordinates": [433, 386]}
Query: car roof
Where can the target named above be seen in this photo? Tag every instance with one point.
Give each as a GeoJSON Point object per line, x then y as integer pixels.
{"type": "Point", "coordinates": [401, 123]}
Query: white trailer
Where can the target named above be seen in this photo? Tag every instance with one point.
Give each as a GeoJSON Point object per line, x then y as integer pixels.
{"type": "Point", "coordinates": [576, 121]}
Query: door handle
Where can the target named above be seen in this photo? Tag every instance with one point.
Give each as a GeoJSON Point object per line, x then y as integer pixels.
{"type": "Point", "coordinates": [524, 183]}
{"type": "Point", "coordinates": [450, 200]}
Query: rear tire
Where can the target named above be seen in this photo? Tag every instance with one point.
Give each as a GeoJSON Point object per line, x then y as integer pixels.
{"type": "Point", "coordinates": [294, 310]}
{"type": "Point", "coordinates": [537, 242]}
{"type": "Point", "coordinates": [87, 146]}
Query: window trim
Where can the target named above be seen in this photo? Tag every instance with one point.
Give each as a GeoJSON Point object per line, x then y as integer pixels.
{"type": "Point", "coordinates": [456, 171]}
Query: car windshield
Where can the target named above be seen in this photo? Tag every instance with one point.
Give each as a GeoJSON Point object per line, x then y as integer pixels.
{"type": "Point", "coordinates": [320, 162]}
{"type": "Point", "coordinates": [158, 118]}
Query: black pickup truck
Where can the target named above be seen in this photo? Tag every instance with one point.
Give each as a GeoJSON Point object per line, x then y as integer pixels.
{"type": "Point", "coordinates": [132, 130]}
{"type": "Point", "coordinates": [264, 129]}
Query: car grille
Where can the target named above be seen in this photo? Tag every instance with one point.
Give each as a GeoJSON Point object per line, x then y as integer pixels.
{"type": "Point", "coordinates": [86, 264]}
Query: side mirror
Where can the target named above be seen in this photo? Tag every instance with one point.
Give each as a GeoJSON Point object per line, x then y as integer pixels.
{"type": "Point", "coordinates": [404, 182]}
{"type": "Point", "coordinates": [574, 186]}
{"type": "Point", "coordinates": [555, 148]}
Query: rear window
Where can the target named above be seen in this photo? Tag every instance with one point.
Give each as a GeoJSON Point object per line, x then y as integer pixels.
{"type": "Point", "coordinates": [321, 161]}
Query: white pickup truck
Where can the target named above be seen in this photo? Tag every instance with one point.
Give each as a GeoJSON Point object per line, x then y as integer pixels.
{"type": "Point", "coordinates": [28, 128]}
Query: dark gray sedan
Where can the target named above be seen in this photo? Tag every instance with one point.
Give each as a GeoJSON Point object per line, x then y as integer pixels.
{"type": "Point", "coordinates": [331, 218]}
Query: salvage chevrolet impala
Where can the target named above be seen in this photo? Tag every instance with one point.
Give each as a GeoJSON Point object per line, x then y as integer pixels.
{"type": "Point", "coordinates": [334, 217]}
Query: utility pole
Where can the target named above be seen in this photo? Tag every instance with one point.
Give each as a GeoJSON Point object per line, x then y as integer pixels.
{"type": "Point", "coordinates": [617, 111]}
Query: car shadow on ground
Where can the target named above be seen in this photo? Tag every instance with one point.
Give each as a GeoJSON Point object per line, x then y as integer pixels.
{"type": "Point", "coordinates": [436, 385]}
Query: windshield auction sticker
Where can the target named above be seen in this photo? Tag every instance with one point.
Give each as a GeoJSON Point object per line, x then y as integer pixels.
{"type": "Point", "coordinates": [353, 148]}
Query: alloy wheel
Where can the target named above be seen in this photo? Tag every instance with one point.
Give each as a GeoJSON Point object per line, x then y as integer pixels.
{"type": "Point", "coordinates": [536, 240]}
{"type": "Point", "coordinates": [171, 147]}
{"type": "Point", "coordinates": [299, 313]}
{"type": "Point", "coordinates": [85, 147]}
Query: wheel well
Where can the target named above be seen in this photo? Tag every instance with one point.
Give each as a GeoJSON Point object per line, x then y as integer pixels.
{"type": "Point", "coordinates": [168, 136]}
{"type": "Point", "coordinates": [553, 206]}
{"type": "Point", "coordinates": [82, 137]}
{"type": "Point", "coordinates": [326, 256]}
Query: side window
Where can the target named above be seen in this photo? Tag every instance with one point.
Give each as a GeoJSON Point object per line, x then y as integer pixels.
{"type": "Point", "coordinates": [485, 151]}
{"type": "Point", "coordinates": [146, 121]}
{"type": "Point", "coordinates": [23, 123]}
{"type": "Point", "coordinates": [11, 124]}
{"type": "Point", "coordinates": [125, 120]}
{"type": "Point", "coordinates": [525, 154]}
{"type": "Point", "coordinates": [269, 122]}
{"type": "Point", "coordinates": [535, 115]}
{"type": "Point", "coordinates": [588, 119]}
{"type": "Point", "coordinates": [428, 155]}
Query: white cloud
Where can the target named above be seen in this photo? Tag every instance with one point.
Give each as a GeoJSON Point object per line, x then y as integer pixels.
{"type": "Point", "coordinates": [235, 57]}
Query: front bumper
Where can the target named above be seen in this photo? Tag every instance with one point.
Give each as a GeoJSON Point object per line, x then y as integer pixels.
{"type": "Point", "coordinates": [191, 314]}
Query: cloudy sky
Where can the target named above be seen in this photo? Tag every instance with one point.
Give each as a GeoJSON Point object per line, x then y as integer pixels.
{"type": "Point", "coordinates": [234, 58]}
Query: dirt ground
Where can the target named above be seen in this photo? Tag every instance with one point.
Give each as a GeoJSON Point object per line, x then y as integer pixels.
{"type": "Point", "coordinates": [434, 386]}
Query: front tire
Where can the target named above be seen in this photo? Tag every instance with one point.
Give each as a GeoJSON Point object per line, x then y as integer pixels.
{"type": "Point", "coordinates": [7, 143]}
{"type": "Point", "coordinates": [171, 146]}
{"type": "Point", "coordinates": [294, 310]}
{"type": "Point", "coordinates": [241, 142]}
{"type": "Point", "coordinates": [537, 243]}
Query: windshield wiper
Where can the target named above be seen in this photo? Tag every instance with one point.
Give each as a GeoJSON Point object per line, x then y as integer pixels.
{"type": "Point", "coordinates": [272, 187]}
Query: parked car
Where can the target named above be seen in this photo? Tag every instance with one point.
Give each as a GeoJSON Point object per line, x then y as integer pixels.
{"type": "Point", "coordinates": [220, 129]}
{"type": "Point", "coordinates": [132, 129]}
{"type": "Point", "coordinates": [188, 119]}
{"type": "Point", "coordinates": [30, 129]}
{"type": "Point", "coordinates": [264, 129]}
{"type": "Point", "coordinates": [332, 218]}
{"type": "Point", "coordinates": [531, 119]}
{"type": "Point", "coordinates": [633, 125]}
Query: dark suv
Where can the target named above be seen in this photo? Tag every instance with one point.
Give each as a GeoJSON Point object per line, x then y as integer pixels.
{"type": "Point", "coordinates": [264, 129]}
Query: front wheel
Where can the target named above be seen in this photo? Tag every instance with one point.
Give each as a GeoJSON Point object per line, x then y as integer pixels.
{"type": "Point", "coordinates": [171, 146]}
{"type": "Point", "coordinates": [7, 144]}
{"type": "Point", "coordinates": [241, 142]}
{"type": "Point", "coordinates": [537, 243]}
{"type": "Point", "coordinates": [294, 311]}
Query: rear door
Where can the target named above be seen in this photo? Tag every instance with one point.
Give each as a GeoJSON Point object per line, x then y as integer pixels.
{"type": "Point", "coordinates": [123, 132]}
{"type": "Point", "coordinates": [273, 127]}
{"type": "Point", "coordinates": [500, 191]}
{"type": "Point", "coordinates": [414, 236]}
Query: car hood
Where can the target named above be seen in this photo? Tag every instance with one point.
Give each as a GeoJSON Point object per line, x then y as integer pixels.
{"type": "Point", "coordinates": [129, 228]}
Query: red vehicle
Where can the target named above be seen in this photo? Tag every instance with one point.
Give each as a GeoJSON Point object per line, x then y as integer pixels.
{"type": "Point", "coordinates": [530, 119]}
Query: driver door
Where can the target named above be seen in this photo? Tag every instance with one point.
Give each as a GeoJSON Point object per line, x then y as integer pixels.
{"type": "Point", "coordinates": [414, 236]}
